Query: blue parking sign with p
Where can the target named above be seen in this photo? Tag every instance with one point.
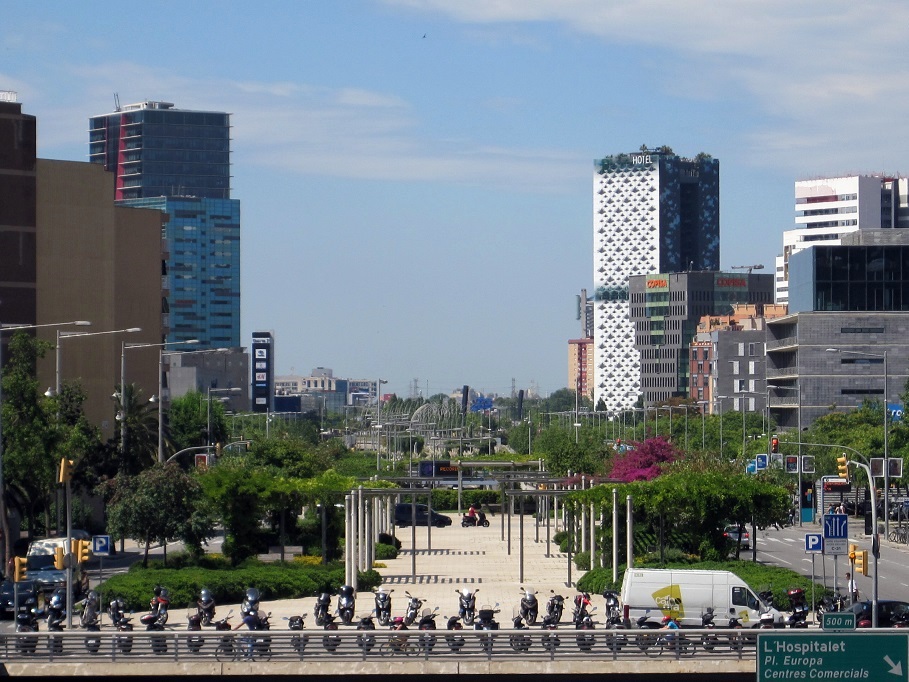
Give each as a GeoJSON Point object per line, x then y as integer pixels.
{"type": "Point", "coordinates": [101, 545]}
{"type": "Point", "coordinates": [814, 542]}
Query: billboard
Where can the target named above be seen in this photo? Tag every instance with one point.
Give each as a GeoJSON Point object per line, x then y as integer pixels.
{"type": "Point", "coordinates": [263, 376]}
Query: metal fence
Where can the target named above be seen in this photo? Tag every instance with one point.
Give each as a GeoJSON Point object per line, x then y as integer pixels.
{"type": "Point", "coordinates": [340, 645]}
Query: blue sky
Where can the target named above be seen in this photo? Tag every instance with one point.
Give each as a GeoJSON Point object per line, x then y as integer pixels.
{"type": "Point", "coordinates": [415, 175]}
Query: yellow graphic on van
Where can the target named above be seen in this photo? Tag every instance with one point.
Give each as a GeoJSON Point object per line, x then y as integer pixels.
{"type": "Point", "coordinates": [669, 599]}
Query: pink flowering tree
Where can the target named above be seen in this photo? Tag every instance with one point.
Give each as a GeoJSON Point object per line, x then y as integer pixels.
{"type": "Point", "coordinates": [645, 462]}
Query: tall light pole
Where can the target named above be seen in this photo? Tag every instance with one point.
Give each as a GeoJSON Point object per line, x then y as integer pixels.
{"type": "Point", "coordinates": [881, 356]}
{"type": "Point", "coordinates": [4, 521]}
{"type": "Point", "coordinates": [703, 403]}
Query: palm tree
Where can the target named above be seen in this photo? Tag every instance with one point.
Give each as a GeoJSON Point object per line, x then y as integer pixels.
{"type": "Point", "coordinates": [139, 448]}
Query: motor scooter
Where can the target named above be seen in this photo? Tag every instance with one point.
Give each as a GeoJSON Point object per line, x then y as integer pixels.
{"type": "Point", "coordinates": [91, 621]}
{"type": "Point", "coordinates": [581, 604]}
{"type": "Point", "coordinates": [194, 624]}
{"type": "Point", "coordinates": [366, 642]}
{"type": "Point", "coordinates": [455, 642]}
{"type": "Point", "coordinates": [486, 621]}
{"type": "Point", "coordinates": [427, 622]}
{"type": "Point", "coordinates": [413, 609]}
{"type": "Point", "coordinates": [206, 607]}
{"type": "Point", "coordinates": [322, 608]}
{"type": "Point", "coordinates": [383, 605]}
{"type": "Point", "coordinates": [519, 643]}
{"type": "Point", "coordinates": [586, 641]}
{"type": "Point", "coordinates": [346, 602]}
{"type": "Point", "coordinates": [467, 604]}
{"type": "Point", "coordinates": [614, 620]}
{"type": "Point", "coordinates": [297, 642]}
{"type": "Point", "coordinates": [550, 642]}
{"type": "Point", "coordinates": [529, 606]}
{"type": "Point", "coordinates": [478, 520]}
{"type": "Point", "coordinates": [554, 607]}
{"type": "Point", "coordinates": [118, 618]}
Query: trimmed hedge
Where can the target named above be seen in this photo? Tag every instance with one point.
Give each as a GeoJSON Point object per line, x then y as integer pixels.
{"type": "Point", "coordinates": [288, 580]}
{"type": "Point", "coordinates": [384, 551]}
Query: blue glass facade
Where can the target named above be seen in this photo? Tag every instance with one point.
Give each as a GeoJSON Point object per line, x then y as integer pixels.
{"type": "Point", "coordinates": [178, 161]}
{"type": "Point", "coordinates": [203, 268]}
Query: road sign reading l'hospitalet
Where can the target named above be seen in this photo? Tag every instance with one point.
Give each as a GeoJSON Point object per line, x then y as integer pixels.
{"type": "Point", "coordinates": [871, 656]}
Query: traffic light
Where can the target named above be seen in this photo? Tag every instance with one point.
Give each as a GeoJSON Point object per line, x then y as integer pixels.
{"type": "Point", "coordinates": [66, 470]}
{"type": "Point", "coordinates": [217, 449]}
{"type": "Point", "coordinates": [861, 562]}
{"type": "Point", "coordinates": [775, 445]}
{"type": "Point", "coordinates": [841, 467]}
{"type": "Point", "coordinates": [81, 551]}
{"type": "Point", "coordinates": [58, 558]}
{"type": "Point", "coordinates": [20, 569]}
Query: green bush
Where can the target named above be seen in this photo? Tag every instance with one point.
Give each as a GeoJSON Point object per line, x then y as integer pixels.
{"type": "Point", "coordinates": [288, 580]}
{"type": "Point", "coordinates": [384, 551]}
{"type": "Point", "coordinates": [599, 580]}
{"type": "Point", "coordinates": [387, 539]}
{"type": "Point", "coordinates": [582, 560]}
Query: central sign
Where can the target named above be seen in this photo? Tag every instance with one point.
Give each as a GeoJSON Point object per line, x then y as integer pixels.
{"type": "Point", "coordinates": [843, 656]}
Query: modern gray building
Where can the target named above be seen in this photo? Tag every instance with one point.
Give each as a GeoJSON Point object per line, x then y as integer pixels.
{"type": "Point", "coordinates": [852, 299]}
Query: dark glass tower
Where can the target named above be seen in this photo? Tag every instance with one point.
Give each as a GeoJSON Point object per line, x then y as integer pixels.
{"type": "Point", "coordinates": [178, 161]}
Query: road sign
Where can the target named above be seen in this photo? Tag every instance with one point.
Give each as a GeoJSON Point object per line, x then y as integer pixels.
{"type": "Point", "coordinates": [760, 462]}
{"type": "Point", "coordinates": [836, 526]}
{"type": "Point", "coordinates": [839, 621]}
{"type": "Point", "coordinates": [814, 542]}
{"type": "Point", "coordinates": [101, 545]}
{"type": "Point", "coordinates": [841, 656]}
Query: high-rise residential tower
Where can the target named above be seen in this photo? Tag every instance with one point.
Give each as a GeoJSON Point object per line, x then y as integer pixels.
{"type": "Point", "coordinates": [653, 212]}
{"type": "Point", "coordinates": [178, 161]}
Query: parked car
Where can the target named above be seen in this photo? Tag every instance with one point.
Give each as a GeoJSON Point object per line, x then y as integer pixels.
{"type": "Point", "coordinates": [404, 514]}
{"type": "Point", "coordinates": [28, 597]}
{"type": "Point", "coordinates": [889, 613]}
{"type": "Point", "coordinates": [731, 533]}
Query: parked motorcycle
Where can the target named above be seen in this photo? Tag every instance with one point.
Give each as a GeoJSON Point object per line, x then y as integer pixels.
{"type": "Point", "coordinates": [519, 643]}
{"type": "Point", "coordinates": [118, 618]}
{"type": "Point", "coordinates": [709, 641]}
{"type": "Point", "coordinates": [413, 609]}
{"type": "Point", "coordinates": [206, 607]}
{"type": "Point", "coordinates": [486, 620]}
{"type": "Point", "coordinates": [262, 643]}
{"type": "Point", "coordinates": [157, 617]}
{"type": "Point", "coordinates": [27, 621]}
{"type": "Point", "coordinates": [529, 606]}
{"type": "Point", "coordinates": [614, 620]}
{"type": "Point", "coordinates": [550, 642]}
{"type": "Point", "coordinates": [323, 606]}
{"type": "Point", "coordinates": [427, 622]}
{"type": "Point", "coordinates": [585, 642]}
{"type": "Point", "coordinates": [581, 605]}
{"type": "Point", "coordinates": [91, 621]}
{"type": "Point", "coordinates": [346, 602]}
{"type": "Point", "coordinates": [225, 648]}
{"type": "Point", "coordinates": [830, 604]}
{"type": "Point", "coordinates": [366, 642]}
{"type": "Point", "coordinates": [383, 605]}
{"type": "Point", "coordinates": [194, 624]}
{"type": "Point", "coordinates": [554, 607]}
{"type": "Point", "coordinates": [799, 616]}
{"type": "Point", "coordinates": [297, 642]}
{"type": "Point", "coordinates": [330, 642]}
{"type": "Point", "coordinates": [56, 614]}
{"type": "Point", "coordinates": [467, 605]}
{"type": "Point", "coordinates": [455, 642]}
{"type": "Point", "coordinates": [250, 602]}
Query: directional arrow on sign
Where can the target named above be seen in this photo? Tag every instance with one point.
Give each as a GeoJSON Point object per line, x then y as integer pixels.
{"type": "Point", "coordinates": [895, 668]}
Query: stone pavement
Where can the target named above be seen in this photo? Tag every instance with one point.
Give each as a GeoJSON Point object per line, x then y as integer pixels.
{"type": "Point", "coordinates": [476, 558]}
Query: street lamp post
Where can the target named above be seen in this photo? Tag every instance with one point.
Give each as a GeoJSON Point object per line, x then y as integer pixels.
{"type": "Point", "coordinates": [211, 390]}
{"type": "Point", "coordinates": [881, 356]}
{"type": "Point", "coordinates": [799, 418]}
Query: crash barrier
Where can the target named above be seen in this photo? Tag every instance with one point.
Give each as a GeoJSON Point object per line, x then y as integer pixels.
{"type": "Point", "coordinates": [352, 645]}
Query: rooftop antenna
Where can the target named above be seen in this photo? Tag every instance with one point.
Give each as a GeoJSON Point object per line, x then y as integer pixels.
{"type": "Point", "coordinates": [116, 101]}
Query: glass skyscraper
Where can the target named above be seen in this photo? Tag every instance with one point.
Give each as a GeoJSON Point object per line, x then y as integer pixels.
{"type": "Point", "coordinates": [178, 161]}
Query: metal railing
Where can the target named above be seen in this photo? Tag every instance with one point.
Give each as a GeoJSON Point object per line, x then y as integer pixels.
{"type": "Point", "coordinates": [352, 645]}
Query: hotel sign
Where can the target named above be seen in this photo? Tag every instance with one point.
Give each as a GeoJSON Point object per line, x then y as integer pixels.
{"type": "Point", "coordinates": [657, 283]}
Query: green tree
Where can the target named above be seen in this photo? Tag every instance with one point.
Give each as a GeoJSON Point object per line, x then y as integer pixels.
{"type": "Point", "coordinates": [159, 504]}
{"type": "Point", "coordinates": [188, 418]}
{"type": "Point", "coordinates": [139, 450]}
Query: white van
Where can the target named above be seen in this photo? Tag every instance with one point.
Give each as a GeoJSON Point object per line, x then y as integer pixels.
{"type": "Point", "coordinates": [687, 594]}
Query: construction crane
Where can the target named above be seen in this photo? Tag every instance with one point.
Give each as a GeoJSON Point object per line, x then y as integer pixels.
{"type": "Point", "coordinates": [749, 268]}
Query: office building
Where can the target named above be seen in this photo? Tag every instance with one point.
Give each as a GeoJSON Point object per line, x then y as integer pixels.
{"type": "Point", "coordinates": [665, 311]}
{"type": "Point", "coordinates": [178, 161]}
{"type": "Point", "coordinates": [826, 209]}
{"type": "Point", "coordinates": [18, 180]}
{"type": "Point", "coordinates": [854, 298]}
{"type": "Point", "coordinates": [102, 263]}
{"type": "Point", "coordinates": [653, 212]}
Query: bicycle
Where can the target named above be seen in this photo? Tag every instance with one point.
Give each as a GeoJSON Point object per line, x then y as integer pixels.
{"type": "Point", "coordinates": [655, 645]}
{"type": "Point", "coordinates": [898, 535]}
{"type": "Point", "coordinates": [244, 648]}
{"type": "Point", "coordinates": [398, 646]}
